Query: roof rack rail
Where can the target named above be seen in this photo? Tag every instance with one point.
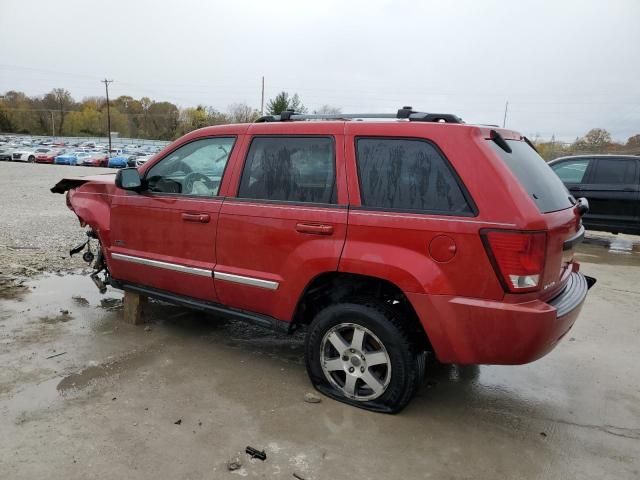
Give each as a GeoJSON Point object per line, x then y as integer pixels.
{"type": "Point", "coordinates": [405, 113]}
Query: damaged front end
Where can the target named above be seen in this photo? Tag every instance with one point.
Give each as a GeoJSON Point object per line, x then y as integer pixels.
{"type": "Point", "coordinates": [90, 199]}
{"type": "Point", "coordinates": [98, 261]}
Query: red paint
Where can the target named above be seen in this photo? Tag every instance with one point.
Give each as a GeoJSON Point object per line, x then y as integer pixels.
{"type": "Point", "coordinates": [438, 261]}
{"type": "Point", "coordinates": [442, 248]}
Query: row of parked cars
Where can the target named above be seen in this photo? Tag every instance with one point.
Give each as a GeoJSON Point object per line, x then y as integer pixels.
{"type": "Point", "coordinates": [78, 153]}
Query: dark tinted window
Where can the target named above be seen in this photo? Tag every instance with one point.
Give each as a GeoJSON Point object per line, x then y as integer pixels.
{"type": "Point", "coordinates": [295, 169]}
{"type": "Point", "coordinates": [407, 175]}
{"type": "Point", "coordinates": [537, 178]}
{"type": "Point", "coordinates": [571, 171]}
{"type": "Point", "coordinates": [614, 171]}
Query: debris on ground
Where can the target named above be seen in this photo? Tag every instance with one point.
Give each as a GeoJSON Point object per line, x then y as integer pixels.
{"type": "Point", "coordinates": [234, 463]}
{"type": "Point", "coordinates": [255, 453]}
{"type": "Point", "coordinates": [80, 301]}
{"type": "Point", "coordinates": [111, 303]}
{"type": "Point", "coordinates": [178, 422]}
{"type": "Point", "coordinates": [299, 477]}
{"type": "Point", "coordinates": [147, 328]}
{"type": "Point", "coordinates": [312, 398]}
{"type": "Point", "coordinates": [64, 312]}
{"type": "Point", "coordinates": [55, 355]}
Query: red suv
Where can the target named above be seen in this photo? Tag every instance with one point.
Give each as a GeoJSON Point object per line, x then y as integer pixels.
{"type": "Point", "coordinates": [389, 241]}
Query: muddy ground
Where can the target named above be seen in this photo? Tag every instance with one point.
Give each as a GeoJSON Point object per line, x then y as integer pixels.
{"type": "Point", "coordinates": [83, 395]}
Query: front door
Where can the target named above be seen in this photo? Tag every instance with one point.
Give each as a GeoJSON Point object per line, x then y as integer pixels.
{"type": "Point", "coordinates": [287, 224]}
{"type": "Point", "coordinates": [164, 237]}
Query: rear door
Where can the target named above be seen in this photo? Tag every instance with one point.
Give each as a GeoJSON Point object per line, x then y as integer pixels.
{"type": "Point", "coordinates": [612, 191]}
{"type": "Point", "coordinates": [286, 221]}
{"type": "Point", "coordinates": [165, 237]}
{"type": "Point", "coordinates": [573, 172]}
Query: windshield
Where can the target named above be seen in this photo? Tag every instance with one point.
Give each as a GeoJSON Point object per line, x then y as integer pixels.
{"type": "Point", "coordinates": [538, 179]}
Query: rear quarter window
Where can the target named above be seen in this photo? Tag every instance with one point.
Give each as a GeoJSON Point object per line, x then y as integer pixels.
{"type": "Point", "coordinates": [408, 175]}
{"type": "Point", "coordinates": [534, 174]}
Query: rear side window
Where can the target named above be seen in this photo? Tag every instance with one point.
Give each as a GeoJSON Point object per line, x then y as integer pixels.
{"type": "Point", "coordinates": [571, 171]}
{"type": "Point", "coordinates": [293, 169]}
{"type": "Point", "coordinates": [610, 171]}
{"type": "Point", "coordinates": [407, 174]}
{"type": "Point", "coordinates": [533, 173]}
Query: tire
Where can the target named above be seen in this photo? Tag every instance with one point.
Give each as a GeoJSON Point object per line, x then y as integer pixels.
{"type": "Point", "coordinates": [32, 159]}
{"type": "Point", "coordinates": [335, 354]}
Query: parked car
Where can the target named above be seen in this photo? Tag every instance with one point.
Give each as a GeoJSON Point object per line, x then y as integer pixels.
{"type": "Point", "coordinates": [49, 156]}
{"type": "Point", "coordinates": [138, 161]}
{"type": "Point", "coordinates": [611, 183]}
{"type": "Point", "coordinates": [6, 153]}
{"type": "Point", "coordinates": [119, 161]}
{"type": "Point", "coordinates": [23, 154]}
{"type": "Point", "coordinates": [380, 238]}
{"type": "Point", "coordinates": [73, 158]}
{"type": "Point", "coordinates": [96, 159]}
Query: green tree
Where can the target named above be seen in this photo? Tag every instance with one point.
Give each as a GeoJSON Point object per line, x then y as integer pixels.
{"type": "Point", "coordinates": [282, 102]}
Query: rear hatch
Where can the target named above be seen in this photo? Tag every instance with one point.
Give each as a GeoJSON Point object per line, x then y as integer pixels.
{"type": "Point", "coordinates": [564, 227]}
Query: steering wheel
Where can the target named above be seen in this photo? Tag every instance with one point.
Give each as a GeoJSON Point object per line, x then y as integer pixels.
{"type": "Point", "coordinates": [191, 178]}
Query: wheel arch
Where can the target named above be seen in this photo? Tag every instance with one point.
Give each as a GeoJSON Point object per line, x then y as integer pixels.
{"type": "Point", "coordinates": [328, 288]}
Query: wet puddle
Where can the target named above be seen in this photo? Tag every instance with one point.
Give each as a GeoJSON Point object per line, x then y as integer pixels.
{"type": "Point", "coordinates": [604, 248]}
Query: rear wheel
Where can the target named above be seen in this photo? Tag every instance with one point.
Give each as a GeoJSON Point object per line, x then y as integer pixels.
{"type": "Point", "coordinates": [361, 353]}
{"type": "Point", "coordinates": [32, 159]}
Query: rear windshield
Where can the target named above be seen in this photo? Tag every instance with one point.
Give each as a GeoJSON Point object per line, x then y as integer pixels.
{"type": "Point", "coordinates": [542, 184]}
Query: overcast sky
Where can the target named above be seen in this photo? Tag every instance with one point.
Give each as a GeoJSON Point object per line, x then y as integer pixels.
{"type": "Point", "coordinates": [564, 66]}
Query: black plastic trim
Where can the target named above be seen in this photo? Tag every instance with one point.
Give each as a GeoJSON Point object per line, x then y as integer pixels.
{"type": "Point", "coordinates": [205, 306]}
{"type": "Point", "coordinates": [573, 294]}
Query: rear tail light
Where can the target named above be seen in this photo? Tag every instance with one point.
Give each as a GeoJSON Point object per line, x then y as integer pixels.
{"type": "Point", "coordinates": [518, 257]}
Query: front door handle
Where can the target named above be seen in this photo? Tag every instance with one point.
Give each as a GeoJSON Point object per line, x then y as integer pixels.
{"type": "Point", "coordinates": [314, 228]}
{"type": "Point", "coordinates": [575, 189]}
{"type": "Point", "coordinates": [196, 217]}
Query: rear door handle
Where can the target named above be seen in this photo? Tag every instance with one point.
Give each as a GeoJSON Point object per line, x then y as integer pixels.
{"type": "Point", "coordinates": [628, 189]}
{"type": "Point", "coordinates": [314, 228]}
{"type": "Point", "coordinates": [575, 189]}
{"type": "Point", "coordinates": [196, 217]}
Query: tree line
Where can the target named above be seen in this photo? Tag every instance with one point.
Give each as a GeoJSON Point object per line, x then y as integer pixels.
{"type": "Point", "coordinates": [58, 113]}
{"type": "Point", "coordinates": [596, 140]}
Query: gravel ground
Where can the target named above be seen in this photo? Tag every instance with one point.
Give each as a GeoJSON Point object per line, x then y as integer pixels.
{"type": "Point", "coordinates": [85, 396]}
{"type": "Point", "coordinates": [37, 229]}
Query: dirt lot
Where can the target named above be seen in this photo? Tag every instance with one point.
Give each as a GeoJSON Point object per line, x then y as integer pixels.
{"type": "Point", "coordinates": [83, 395]}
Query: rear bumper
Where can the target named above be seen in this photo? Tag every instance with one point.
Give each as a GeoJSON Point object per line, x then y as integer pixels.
{"type": "Point", "coordinates": [473, 331]}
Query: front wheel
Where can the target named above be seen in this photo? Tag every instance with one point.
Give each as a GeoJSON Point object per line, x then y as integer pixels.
{"type": "Point", "coordinates": [362, 354]}
{"type": "Point", "coordinates": [32, 159]}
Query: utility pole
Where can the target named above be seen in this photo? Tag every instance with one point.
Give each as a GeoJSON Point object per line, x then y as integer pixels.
{"type": "Point", "coordinates": [262, 100]}
{"type": "Point", "coordinates": [106, 88]}
{"type": "Point", "coordinates": [506, 109]}
{"type": "Point", "coordinates": [53, 127]}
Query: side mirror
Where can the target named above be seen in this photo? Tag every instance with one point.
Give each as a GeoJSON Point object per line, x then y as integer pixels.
{"type": "Point", "coordinates": [582, 205]}
{"type": "Point", "coordinates": [129, 179]}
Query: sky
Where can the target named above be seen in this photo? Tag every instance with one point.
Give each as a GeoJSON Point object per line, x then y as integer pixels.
{"type": "Point", "coordinates": [564, 66]}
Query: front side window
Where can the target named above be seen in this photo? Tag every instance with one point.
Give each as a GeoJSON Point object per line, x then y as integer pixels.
{"type": "Point", "coordinates": [571, 171]}
{"type": "Point", "coordinates": [611, 171]}
{"type": "Point", "coordinates": [294, 169]}
{"type": "Point", "coordinates": [193, 169]}
{"type": "Point", "coordinates": [407, 174]}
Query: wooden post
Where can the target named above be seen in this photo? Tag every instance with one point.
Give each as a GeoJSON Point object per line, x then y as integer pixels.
{"type": "Point", "coordinates": [134, 308]}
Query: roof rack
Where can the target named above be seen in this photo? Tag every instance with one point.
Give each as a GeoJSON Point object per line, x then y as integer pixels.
{"type": "Point", "coordinates": [405, 113]}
